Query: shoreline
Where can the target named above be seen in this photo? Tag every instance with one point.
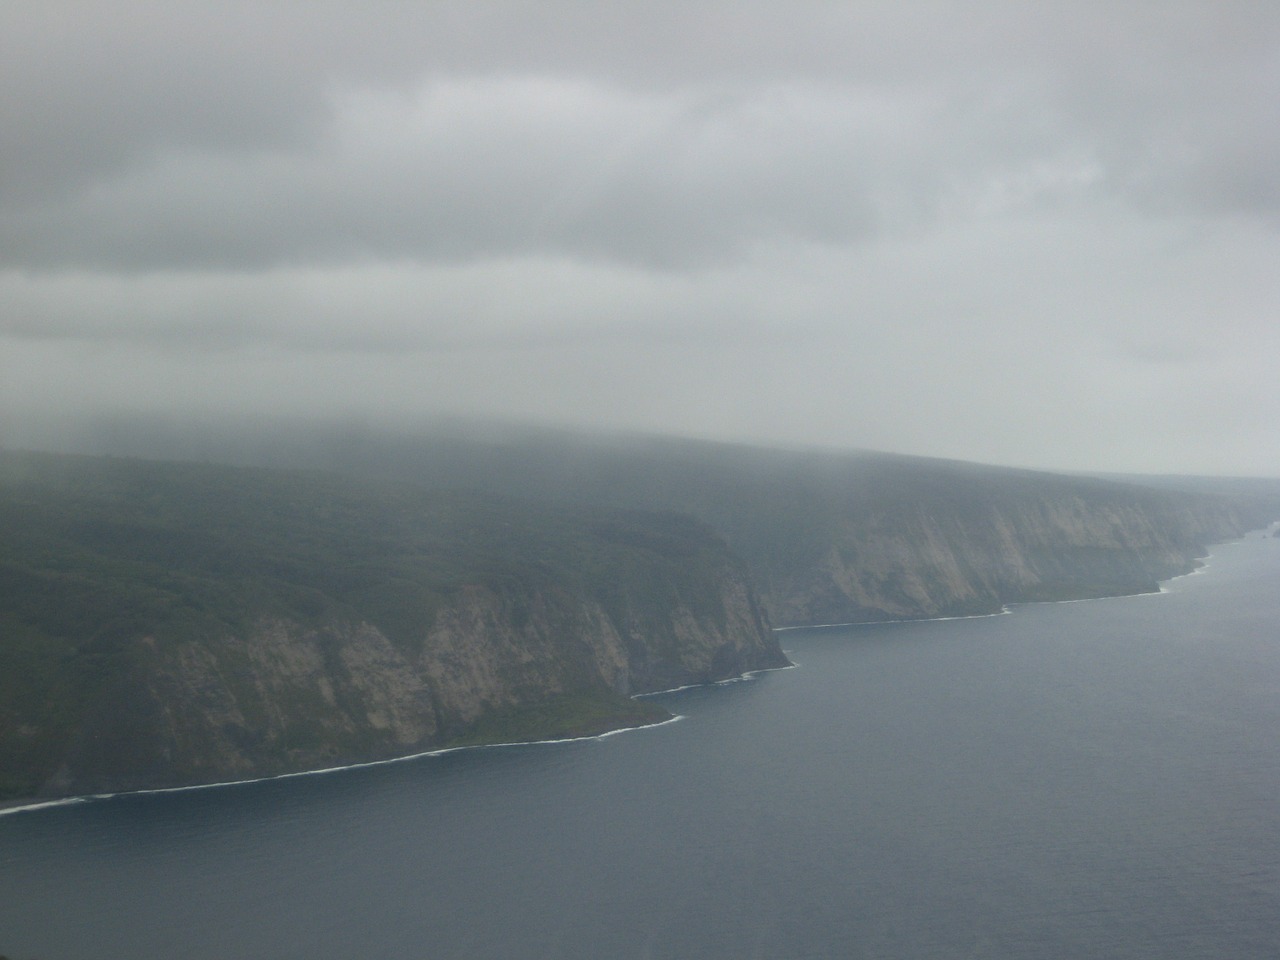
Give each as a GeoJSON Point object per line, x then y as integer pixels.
{"type": "Point", "coordinates": [1202, 565]}
{"type": "Point", "coordinates": [747, 675]}
{"type": "Point", "coordinates": [32, 805]}
{"type": "Point", "coordinates": [23, 806]}
{"type": "Point", "coordinates": [29, 806]}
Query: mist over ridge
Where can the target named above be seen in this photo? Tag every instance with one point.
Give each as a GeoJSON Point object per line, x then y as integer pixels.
{"type": "Point", "coordinates": [345, 595]}
{"type": "Point", "coordinates": [1025, 234]}
{"type": "Point", "coordinates": [829, 535]}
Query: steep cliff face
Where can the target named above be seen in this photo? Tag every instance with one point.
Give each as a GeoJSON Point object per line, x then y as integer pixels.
{"type": "Point", "coordinates": [840, 537]}
{"type": "Point", "coordinates": [307, 623]}
{"type": "Point", "coordinates": [181, 623]}
{"type": "Point", "coordinates": [975, 560]}
{"type": "Point", "coordinates": [284, 696]}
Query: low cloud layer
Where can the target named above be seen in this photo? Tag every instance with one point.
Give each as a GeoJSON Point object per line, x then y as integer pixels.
{"type": "Point", "coordinates": [1037, 234]}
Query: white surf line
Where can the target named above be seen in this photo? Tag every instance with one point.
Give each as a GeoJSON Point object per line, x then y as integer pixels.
{"type": "Point", "coordinates": [675, 718]}
{"type": "Point", "coordinates": [1202, 567]}
{"type": "Point", "coordinates": [43, 805]}
{"type": "Point", "coordinates": [1205, 561]}
{"type": "Point", "coordinates": [872, 623]}
{"type": "Point", "coordinates": [514, 743]}
{"type": "Point", "coordinates": [748, 675]}
{"type": "Point", "coordinates": [440, 752]}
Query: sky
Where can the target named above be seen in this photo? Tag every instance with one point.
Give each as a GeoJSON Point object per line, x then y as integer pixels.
{"type": "Point", "coordinates": [1037, 234]}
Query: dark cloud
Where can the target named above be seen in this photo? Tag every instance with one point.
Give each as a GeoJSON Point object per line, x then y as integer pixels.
{"type": "Point", "coordinates": [480, 170]}
{"type": "Point", "coordinates": [1011, 231]}
{"type": "Point", "coordinates": [176, 135]}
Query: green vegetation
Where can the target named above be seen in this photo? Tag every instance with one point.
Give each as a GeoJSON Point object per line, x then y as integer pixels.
{"type": "Point", "coordinates": [519, 584]}
{"type": "Point", "coordinates": [108, 566]}
{"type": "Point", "coordinates": [841, 536]}
{"type": "Point", "coordinates": [827, 536]}
{"type": "Point", "coordinates": [101, 548]}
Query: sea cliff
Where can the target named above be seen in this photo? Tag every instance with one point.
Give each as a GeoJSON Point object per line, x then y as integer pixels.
{"type": "Point", "coordinates": [171, 624]}
{"type": "Point", "coordinates": [833, 537]}
{"type": "Point", "coordinates": [283, 696]}
{"type": "Point", "coordinates": [922, 562]}
{"type": "Point", "coordinates": [167, 623]}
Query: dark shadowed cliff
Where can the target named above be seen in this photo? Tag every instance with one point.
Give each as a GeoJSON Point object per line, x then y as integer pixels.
{"type": "Point", "coordinates": [165, 623]}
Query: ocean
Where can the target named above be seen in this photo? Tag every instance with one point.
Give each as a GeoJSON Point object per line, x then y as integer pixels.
{"type": "Point", "coordinates": [1090, 779]}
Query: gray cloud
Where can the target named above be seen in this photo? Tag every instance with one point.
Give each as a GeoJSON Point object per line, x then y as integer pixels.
{"type": "Point", "coordinates": [250, 135]}
{"type": "Point", "coordinates": [477, 170]}
{"type": "Point", "coordinates": [1039, 233]}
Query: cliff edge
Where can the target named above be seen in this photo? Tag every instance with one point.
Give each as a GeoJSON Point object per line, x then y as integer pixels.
{"type": "Point", "coordinates": [848, 536]}
{"type": "Point", "coordinates": [169, 624]}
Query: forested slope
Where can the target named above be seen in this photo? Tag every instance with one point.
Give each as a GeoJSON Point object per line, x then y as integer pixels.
{"type": "Point", "coordinates": [839, 537]}
{"type": "Point", "coordinates": [168, 623]}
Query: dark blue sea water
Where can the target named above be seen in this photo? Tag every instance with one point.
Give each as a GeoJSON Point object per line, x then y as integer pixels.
{"type": "Point", "coordinates": [1096, 779]}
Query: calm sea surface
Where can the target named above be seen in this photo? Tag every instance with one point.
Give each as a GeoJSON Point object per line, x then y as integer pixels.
{"type": "Point", "coordinates": [1097, 779]}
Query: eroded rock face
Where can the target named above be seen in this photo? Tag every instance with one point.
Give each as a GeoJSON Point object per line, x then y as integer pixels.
{"type": "Point", "coordinates": [184, 623]}
{"type": "Point", "coordinates": [178, 623]}
{"type": "Point", "coordinates": [286, 696]}
{"type": "Point", "coordinates": [922, 564]}
{"type": "Point", "coordinates": [832, 537]}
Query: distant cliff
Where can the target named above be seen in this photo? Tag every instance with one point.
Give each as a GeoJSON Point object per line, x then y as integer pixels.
{"type": "Point", "coordinates": [841, 537]}
{"type": "Point", "coordinates": [922, 561]}
{"type": "Point", "coordinates": [169, 624]}
{"type": "Point", "coordinates": [165, 623]}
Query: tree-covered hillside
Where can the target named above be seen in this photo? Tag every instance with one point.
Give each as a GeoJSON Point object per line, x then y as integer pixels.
{"type": "Point", "coordinates": [828, 536]}
{"type": "Point", "coordinates": [116, 572]}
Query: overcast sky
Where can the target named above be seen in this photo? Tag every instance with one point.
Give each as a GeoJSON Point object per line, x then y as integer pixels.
{"type": "Point", "coordinates": [1034, 233]}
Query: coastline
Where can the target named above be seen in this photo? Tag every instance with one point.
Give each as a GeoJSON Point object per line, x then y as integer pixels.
{"type": "Point", "coordinates": [31, 805]}
{"type": "Point", "coordinates": [867, 623]}
{"type": "Point", "coordinates": [1201, 566]}
{"type": "Point", "coordinates": [747, 675]}
{"type": "Point", "coordinates": [24, 806]}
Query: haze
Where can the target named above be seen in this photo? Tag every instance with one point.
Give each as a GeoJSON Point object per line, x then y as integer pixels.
{"type": "Point", "coordinates": [1034, 234]}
